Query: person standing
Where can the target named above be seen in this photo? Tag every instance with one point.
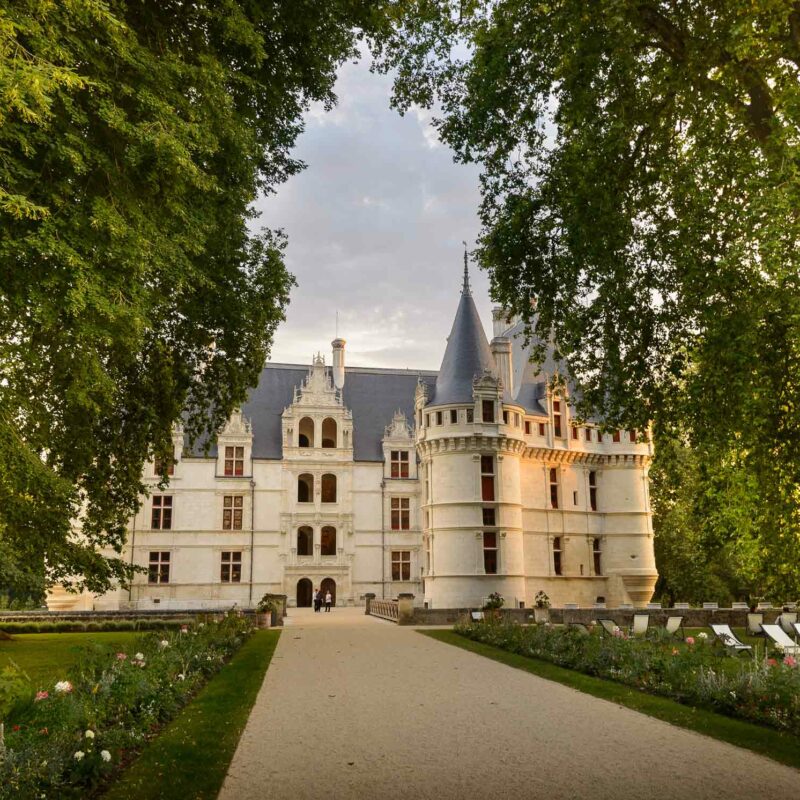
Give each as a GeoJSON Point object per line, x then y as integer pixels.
{"type": "Point", "coordinates": [317, 599]}
{"type": "Point", "coordinates": [328, 600]}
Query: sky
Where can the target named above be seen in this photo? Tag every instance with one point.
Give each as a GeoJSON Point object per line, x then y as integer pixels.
{"type": "Point", "coordinates": [375, 225]}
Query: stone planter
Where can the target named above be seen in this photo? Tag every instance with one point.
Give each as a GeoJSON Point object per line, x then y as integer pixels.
{"type": "Point", "coordinates": [541, 615]}
{"type": "Point", "coordinates": [263, 619]}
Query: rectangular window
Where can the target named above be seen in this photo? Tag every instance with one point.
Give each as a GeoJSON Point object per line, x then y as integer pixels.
{"type": "Point", "coordinates": [489, 517]}
{"type": "Point", "coordinates": [490, 552]}
{"type": "Point", "coordinates": [158, 567]}
{"type": "Point", "coordinates": [453, 416]}
{"type": "Point", "coordinates": [588, 434]}
{"type": "Point", "coordinates": [160, 463]}
{"type": "Point", "coordinates": [574, 498]}
{"type": "Point", "coordinates": [399, 464]}
{"type": "Point", "coordinates": [487, 478]}
{"type": "Point", "coordinates": [400, 513]}
{"type": "Point", "coordinates": [505, 417]}
{"type": "Point", "coordinates": [557, 564]}
{"type": "Point", "coordinates": [234, 461]}
{"type": "Point", "coordinates": [527, 427]}
{"type": "Point", "coordinates": [230, 568]}
{"type": "Point", "coordinates": [401, 565]}
{"type": "Point", "coordinates": [557, 418]}
{"type": "Point", "coordinates": [428, 417]}
{"type": "Point", "coordinates": [597, 555]}
{"type": "Point", "coordinates": [487, 411]}
{"type": "Point", "coordinates": [574, 432]}
{"type": "Point", "coordinates": [470, 415]}
{"type": "Point", "coordinates": [593, 491]}
{"type": "Point", "coordinates": [553, 487]}
{"type": "Point", "coordinates": [162, 512]}
{"type": "Point", "coordinates": [541, 429]}
{"type": "Point", "coordinates": [615, 436]}
{"type": "Point", "coordinates": [631, 436]}
{"type": "Point", "coordinates": [232, 506]}
{"type": "Point", "coordinates": [439, 418]}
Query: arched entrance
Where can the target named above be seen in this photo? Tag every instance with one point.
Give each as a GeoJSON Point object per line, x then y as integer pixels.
{"type": "Point", "coordinates": [304, 590]}
{"type": "Point", "coordinates": [329, 585]}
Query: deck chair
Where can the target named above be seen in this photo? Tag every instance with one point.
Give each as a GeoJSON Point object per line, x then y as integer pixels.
{"type": "Point", "coordinates": [580, 627]}
{"type": "Point", "coordinates": [781, 639]}
{"type": "Point", "coordinates": [754, 623]}
{"type": "Point", "coordinates": [728, 638]}
{"type": "Point", "coordinates": [674, 626]}
{"type": "Point", "coordinates": [639, 625]}
{"type": "Point", "coordinates": [608, 626]}
{"type": "Point", "coordinates": [796, 627]}
{"type": "Point", "coordinates": [786, 620]}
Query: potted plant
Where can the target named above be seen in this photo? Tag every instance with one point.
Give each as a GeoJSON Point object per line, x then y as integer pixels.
{"type": "Point", "coordinates": [264, 611]}
{"type": "Point", "coordinates": [491, 608]}
{"type": "Point", "coordinates": [541, 607]}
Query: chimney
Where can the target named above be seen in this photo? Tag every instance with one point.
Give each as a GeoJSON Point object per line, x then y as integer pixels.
{"type": "Point", "coordinates": [338, 362]}
{"type": "Point", "coordinates": [500, 321]}
{"type": "Point", "coordinates": [501, 350]}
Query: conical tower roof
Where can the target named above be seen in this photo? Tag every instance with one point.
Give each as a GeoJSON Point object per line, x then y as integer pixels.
{"type": "Point", "coordinates": [467, 354]}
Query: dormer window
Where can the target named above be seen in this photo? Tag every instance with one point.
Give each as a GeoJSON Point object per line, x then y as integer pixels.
{"type": "Point", "coordinates": [487, 410]}
{"type": "Point", "coordinates": [234, 461]}
{"type": "Point", "coordinates": [399, 464]}
{"type": "Point", "coordinates": [557, 418]}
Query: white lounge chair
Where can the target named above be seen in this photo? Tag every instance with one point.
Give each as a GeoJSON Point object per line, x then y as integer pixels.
{"type": "Point", "coordinates": [786, 620]}
{"type": "Point", "coordinates": [754, 623]}
{"type": "Point", "coordinates": [477, 616]}
{"type": "Point", "coordinates": [781, 640]}
{"type": "Point", "coordinates": [728, 638]}
{"type": "Point", "coordinates": [674, 625]}
{"type": "Point", "coordinates": [640, 624]}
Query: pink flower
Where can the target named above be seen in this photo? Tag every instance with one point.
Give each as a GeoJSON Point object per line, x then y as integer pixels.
{"type": "Point", "coordinates": [689, 640]}
{"type": "Point", "coordinates": [771, 662]}
{"type": "Point", "coordinates": [63, 687]}
{"type": "Point", "coordinates": [121, 656]}
{"type": "Point", "coordinates": [41, 696]}
{"type": "Point", "coordinates": [790, 661]}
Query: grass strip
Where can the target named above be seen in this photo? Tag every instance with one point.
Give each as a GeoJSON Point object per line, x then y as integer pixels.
{"type": "Point", "coordinates": [774, 744]}
{"type": "Point", "coordinates": [190, 758]}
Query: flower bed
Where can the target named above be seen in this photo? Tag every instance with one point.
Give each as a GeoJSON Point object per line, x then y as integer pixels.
{"type": "Point", "coordinates": [66, 740]}
{"type": "Point", "coordinates": [763, 691]}
{"type": "Point", "coordinates": [76, 626]}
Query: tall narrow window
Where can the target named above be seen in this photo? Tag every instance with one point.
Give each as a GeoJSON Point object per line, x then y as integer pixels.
{"type": "Point", "coordinates": [232, 506]}
{"type": "Point", "coordinates": [574, 432]}
{"type": "Point", "coordinates": [401, 565]}
{"type": "Point", "coordinates": [557, 418]}
{"type": "Point", "coordinates": [158, 567]}
{"type": "Point", "coordinates": [487, 478]}
{"type": "Point", "coordinates": [541, 429]}
{"type": "Point", "coordinates": [329, 432]}
{"type": "Point", "coordinates": [597, 555]}
{"type": "Point", "coordinates": [528, 426]}
{"type": "Point", "coordinates": [305, 541]}
{"type": "Point", "coordinates": [470, 415]}
{"type": "Point", "coordinates": [305, 488]}
{"type": "Point", "coordinates": [453, 416]}
{"type": "Point", "coordinates": [615, 436]}
{"type": "Point", "coordinates": [305, 432]}
{"type": "Point", "coordinates": [593, 491]}
{"type": "Point", "coordinates": [631, 436]}
{"type": "Point", "coordinates": [490, 552]}
{"type": "Point", "coordinates": [328, 487]}
{"type": "Point", "coordinates": [230, 567]}
{"type": "Point", "coordinates": [487, 410]}
{"type": "Point", "coordinates": [588, 434]}
{"type": "Point", "coordinates": [234, 461]}
{"type": "Point", "coordinates": [505, 417]}
{"type": "Point", "coordinates": [399, 464]}
{"type": "Point", "coordinates": [553, 487]}
{"type": "Point", "coordinates": [400, 513]}
{"type": "Point", "coordinates": [557, 563]}
{"type": "Point", "coordinates": [328, 541]}
{"type": "Point", "coordinates": [162, 512]}
{"type": "Point", "coordinates": [439, 418]}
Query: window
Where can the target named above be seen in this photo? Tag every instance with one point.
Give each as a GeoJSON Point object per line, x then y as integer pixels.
{"type": "Point", "coordinates": [505, 417]}
{"type": "Point", "coordinates": [328, 488]}
{"type": "Point", "coordinates": [588, 434]}
{"type": "Point", "coordinates": [597, 556]}
{"type": "Point", "coordinates": [439, 418]}
{"type": "Point", "coordinates": [232, 506]}
{"type": "Point", "coordinates": [329, 432]}
{"type": "Point", "coordinates": [553, 487]}
{"type": "Point", "coordinates": [487, 411]}
{"type": "Point", "coordinates": [574, 432]}
{"type": "Point", "coordinates": [574, 498]}
{"type": "Point", "coordinates": [631, 436]}
{"type": "Point", "coordinates": [593, 491]}
{"type": "Point", "coordinates": [401, 513]}
{"type": "Point", "coordinates": [557, 418]}
{"type": "Point", "coordinates": [158, 567]}
{"type": "Point", "coordinates": [470, 415]}
{"type": "Point", "coordinates": [527, 426]}
{"type": "Point", "coordinates": [328, 543]}
{"type": "Point", "coordinates": [490, 552]}
{"type": "Point", "coordinates": [306, 432]}
{"type": "Point", "coordinates": [453, 416]}
{"type": "Point", "coordinates": [234, 461]}
{"type": "Point", "coordinates": [615, 436]}
{"type": "Point", "coordinates": [557, 565]}
{"type": "Point", "coordinates": [401, 565]}
{"type": "Point", "coordinates": [428, 417]}
{"type": "Point", "coordinates": [305, 541]}
{"type": "Point", "coordinates": [516, 420]}
{"type": "Point", "coordinates": [541, 429]}
{"type": "Point", "coordinates": [230, 567]}
{"type": "Point", "coordinates": [487, 478]}
{"type": "Point", "coordinates": [489, 517]}
{"type": "Point", "coordinates": [162, 512]}
{"type": "Point", "coordinates": [305, 488]}
{"type": "Point", "coordinates": [399, 463]}
{"type": "Point", "coordinates": [161, 465]}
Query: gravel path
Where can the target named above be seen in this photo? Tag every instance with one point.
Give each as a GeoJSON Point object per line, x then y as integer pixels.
{"type": "Point", "coordinates": [353, 707]}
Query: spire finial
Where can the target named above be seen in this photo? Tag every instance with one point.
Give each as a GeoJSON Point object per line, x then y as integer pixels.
{"type": "Point", "coordinates": [466, 289]}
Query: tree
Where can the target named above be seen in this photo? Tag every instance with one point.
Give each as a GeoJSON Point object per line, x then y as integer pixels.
{"type": "Point", "coordinates": [134, 137]}
{"type": "Point", "coordinates": [639, 180]}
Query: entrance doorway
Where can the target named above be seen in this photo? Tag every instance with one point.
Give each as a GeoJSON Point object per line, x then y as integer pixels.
{"type": "Point", "coordinates": [329, 585]}
{"type": "Point", "coordinates": [304, 590]}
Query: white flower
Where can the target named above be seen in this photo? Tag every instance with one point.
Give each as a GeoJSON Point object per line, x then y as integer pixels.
{"type": "Point", "coordinates": [63, 687]}
{"type": "Point", "coordinates": [89, 734]}
{"type": "Point", "coordinates": [79, 755]}
{"type": "Point", "coordinates": [139, 656]}
{"type": "Point", "coordinates": [702, 635]}
{"type": "Point", "coordinates": [105, 755]}
{"type": "Point", "coordinates": [163, 643]}
{"type": "Point", "coordinates": [201, 625]}
{"type": "Point", "coordinates": [181, 677]}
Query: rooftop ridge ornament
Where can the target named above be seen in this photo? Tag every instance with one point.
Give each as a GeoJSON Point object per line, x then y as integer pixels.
{"type": "Point", "coordinates": [466, 288]}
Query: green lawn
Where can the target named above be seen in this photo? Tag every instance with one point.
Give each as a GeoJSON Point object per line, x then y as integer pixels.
{"type": "Point", "coordinates": [782, 747]}
{"type": "Point", "coordinates": [190, 758]}
{"type": "Point", "coordinates": [49, 657]}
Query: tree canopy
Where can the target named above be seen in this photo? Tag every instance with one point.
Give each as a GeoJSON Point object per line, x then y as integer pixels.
{"type": "Point", "coordinates": [134, 137]}
{"type": "Point", "coordinates": [640, 181]}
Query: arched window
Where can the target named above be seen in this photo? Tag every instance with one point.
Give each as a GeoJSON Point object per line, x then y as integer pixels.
{"type": "Point", "coordinates": [305, 488]}
{"type": "Point", "coordinates": [328, 488]}
{"type": "Point", "coordinates": [329, 432]}
{"type": "Point", "coordinates": [305, 541]}
{"type": "Point", "coordinates": [328, 542]}
{"type": "Point", "coordinates": [306, 432]}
